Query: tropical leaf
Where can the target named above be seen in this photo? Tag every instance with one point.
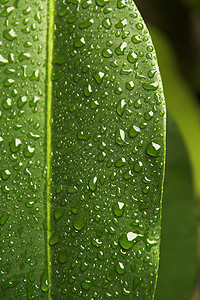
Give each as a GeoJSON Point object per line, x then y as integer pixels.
{"type": "Point", "coordinates": [82, 151]}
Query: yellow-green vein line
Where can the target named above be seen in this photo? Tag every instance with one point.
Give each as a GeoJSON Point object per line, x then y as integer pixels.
{"type": "Point", "coordinates": [49, 117]}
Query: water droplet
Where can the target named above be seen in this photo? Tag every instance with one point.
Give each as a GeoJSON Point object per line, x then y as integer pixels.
{"type": "Point", "coordinates": [121, 4]}
{"type": "Point", "coordinates": [118, 208]}
{"type": "Point", "coordinates": [107, 23]}
{"type": "Point", "coordinates": [44, 281]}
{"type": "Point", "coordinates": [121, 48]}
{"type": "Point", "coordinates": [133, 131]}
{"type": "Point", "coordinates": [86, 285]}
{"type": "Point", "coordinates": [8, 82]}
{"type": "Point", "coordinates": [58, 213]}
{"type": "Point", "coordinates": [107, 53]}
{"type": "Point", "coordinates": [21, 101]}
{"type": "Point", "coordinates": [71, 189]}
{"type": "Point", "coordinates": [7, 11]}
{"type": "Point", "coordinates": [24, 55]}
{"type": "Point", "coordinates": [98, 76]}
{"type": "Point", "coordinates": [7, 103]}
{"type": "Point", "coordinates": [15, 145]}
{"type": "Point", "coordinates": [120, 106]}
{"type": "Point", "coordinates": [63, 257]}
{"type": "Point", "coordinates": [93, 183]}
{"type": "Point", "coordinates": [87, 90]}
{"type": "Point", "coordinates": [29, 151]}
{"type": "Point", "coordinates": [138, 166]}
{"type": "Point", "coordinates": [132, 57]}
{"type": "Point", "coordinates": [148, 115]}
{"type": "Point", "coordinates": [127, 241]}
{"type": "Point", "coordinates": [54, 239]}
{"type": "Point", "coordinates": [153, 149]}
{"type": "Point", "coordinates": [4, 217]}
{"type": "Point", "coordinates": [79, 42]}
{"type": "Point", "coordinates": [83, 136]}
{"type": "Point", "coordinates": [120, 162]}
{"type": "Point", "coordinates": [5, 174]}
{"type": "Point", "coordinates": [120, 268]}
{"type": "Point", "coordinates": [150, 86]}
{"type": "Point", "coordinates": [136, 39]}
{"type": "Point", "coordinates": [3, 61]}
{"type": "Point", "coordinates": [86, 24]}
{"type": "Point", "coordinates": [130, 85]}
{"type": "Point", "coordinates": [120, 137]}
{"type": "Point", "coordinates": [9, 34]}
{"type": "Point", "coordinates": [79, 224]}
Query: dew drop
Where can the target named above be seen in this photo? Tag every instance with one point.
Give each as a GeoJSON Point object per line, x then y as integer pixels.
{"type": "Point", "coordinates": [120, 162]}
{"type": "Point", "coordinates": [7, 103]}
{"type": "Point", "coordinates": [62, 257]}
{"type": "Point", "coordinates": [120, 137]}
{"type": "Point", "coordinates": [121, 48]}
{"type": "Point", "coordinates": [93, 183]}
{"type": "Point", "coordinates": [138, 166]}
{"type": "Point", "coordinates": [120, 107]}
{"type": "Point", "coordinates": [120, 268]}
{"type": "Point", "coordinates": [133, 131]}
{"type": "Point", "coordinates": [3, 61]}
{"type": "Point", "coordinates": [15, 145]}
{"type": "Point", "coordinates": [107, 53]}
{"type": "Point", "coordinates": [98, 76]}
{"type": "Point", "coordinates": [107, 23]}
{"type": "Point", "coordinates": [79, 42]}
{"type": "Point", "coordinates": [4, 217]}
{"type": "Point", "coordinates": [81, 135]}
{"type": "Point", "coordinates": [127, 241]}
{"type": "Point", "coordinates": [118, 208]}
{"type": "Point", "coordinates": [150, 86]}
{"type": "Point", "coordinates": [29, 151]}
{"type": "Point", "coordinates": [132, 57]}
{"type": "Point", "coordinates": [9, 34]}
{"type": "Point", "coordinates": [79, 224]}
{"type": "Point", "coordinates": [153, 149]}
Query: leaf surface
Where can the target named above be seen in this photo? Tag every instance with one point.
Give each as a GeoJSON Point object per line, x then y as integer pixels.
{"type": "Point", "coordinates": [82, 151]}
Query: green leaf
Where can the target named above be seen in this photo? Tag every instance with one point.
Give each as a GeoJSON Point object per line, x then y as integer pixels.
{"type": "Point", "coordinates": [178, 263]}
{"type": "Point", "coordinates": [82, 151]}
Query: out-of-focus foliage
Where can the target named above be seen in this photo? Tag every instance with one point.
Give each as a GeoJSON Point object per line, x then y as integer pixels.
{"type": "Point", "coordinates": [178, 263]}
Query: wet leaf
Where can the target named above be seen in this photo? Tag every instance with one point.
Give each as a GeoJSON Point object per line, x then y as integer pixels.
{"type": "Point", "coordinates": [82, 151]}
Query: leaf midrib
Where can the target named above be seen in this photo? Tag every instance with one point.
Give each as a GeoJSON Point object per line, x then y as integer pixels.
{"type": "Point", "coordinates": [48, 128]}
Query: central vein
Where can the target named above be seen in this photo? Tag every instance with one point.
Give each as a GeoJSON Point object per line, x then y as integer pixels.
{"type": "Point", "coordinates": [49, 117]}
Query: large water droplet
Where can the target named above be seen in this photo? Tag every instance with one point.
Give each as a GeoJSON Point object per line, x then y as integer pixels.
{"type": "Point", "coordinates": [93, 183]}
{"type": "Point", "coordinates": [118, 208]}
{"type": "Point", "coordinates": [153, 149]}
{"type": "Point", "coordinates": [79, 224]}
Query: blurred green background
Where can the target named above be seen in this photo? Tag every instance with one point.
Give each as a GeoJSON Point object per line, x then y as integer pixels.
{"type": "Point", "coordinates": [175, 29]}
